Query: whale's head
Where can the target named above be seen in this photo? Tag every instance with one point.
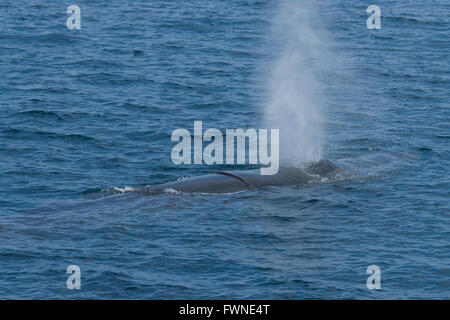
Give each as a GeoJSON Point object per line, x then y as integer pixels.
{"type": "Point", "coordinates": [322, 168]}
{"type": "Point", "coordinates": [301, 175]}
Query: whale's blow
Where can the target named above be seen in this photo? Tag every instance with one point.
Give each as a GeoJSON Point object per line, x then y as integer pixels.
{"type": "Point", "coordinates": [295, 95]}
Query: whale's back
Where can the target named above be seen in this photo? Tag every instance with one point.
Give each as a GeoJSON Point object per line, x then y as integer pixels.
{"type": "Point", "coordinates": [239, 180]}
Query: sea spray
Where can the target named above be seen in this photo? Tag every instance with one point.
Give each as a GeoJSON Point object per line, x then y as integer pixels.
{"type": "Point", "coordinates": [295, 95]}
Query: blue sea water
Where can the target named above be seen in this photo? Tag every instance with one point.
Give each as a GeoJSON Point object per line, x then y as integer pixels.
{"type": "Point", "coordinates": [86, 118]}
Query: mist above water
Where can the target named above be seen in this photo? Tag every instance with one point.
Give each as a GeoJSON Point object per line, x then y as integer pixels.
{"type": "Point", "coordinates": [295, 95]}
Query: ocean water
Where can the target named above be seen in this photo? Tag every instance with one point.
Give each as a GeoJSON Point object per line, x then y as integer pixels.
{"type": "Point", "coordinates": [86, 119]}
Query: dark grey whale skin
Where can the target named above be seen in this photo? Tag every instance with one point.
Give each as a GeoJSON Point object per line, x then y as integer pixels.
{"type": "Point", "coordinates": [234, 181]}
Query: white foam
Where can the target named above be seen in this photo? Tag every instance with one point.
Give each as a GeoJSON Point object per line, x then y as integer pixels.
{"type": "Point", "coordinates": [124, 189]}
{"type": "Point", "coordinates": [171, 191]}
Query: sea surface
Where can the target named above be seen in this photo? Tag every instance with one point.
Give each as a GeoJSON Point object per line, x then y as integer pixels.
{"type": "Point", "coordinates": [86, 119]}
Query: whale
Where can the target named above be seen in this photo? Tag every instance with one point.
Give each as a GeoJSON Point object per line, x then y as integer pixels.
{"type": "Point", "coordinates": [235, 181]}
